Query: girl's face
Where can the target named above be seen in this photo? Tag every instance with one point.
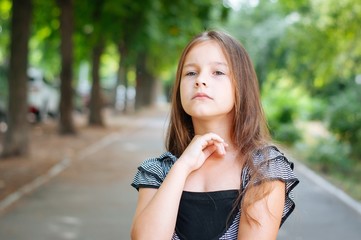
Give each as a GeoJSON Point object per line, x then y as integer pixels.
{"type": "Point", "coordinates": [206, 87]}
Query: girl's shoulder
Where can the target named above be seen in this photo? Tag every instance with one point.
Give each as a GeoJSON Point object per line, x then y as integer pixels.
{"type": "Point", "coordinates": [272, 164]}
{"type": "Point", "coordinates": [268, 154]}
{"type": "Point", "coordinates": [152, 172]}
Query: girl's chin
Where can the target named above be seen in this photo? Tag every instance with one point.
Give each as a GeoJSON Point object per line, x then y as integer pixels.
{"type": "Point", "coordinates": [200, 113]}
{"type": "Point", "coordinates": [209, 115]}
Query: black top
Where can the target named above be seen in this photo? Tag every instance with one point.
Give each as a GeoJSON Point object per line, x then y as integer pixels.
{"type": "Point", "coordinates": [217, 209]}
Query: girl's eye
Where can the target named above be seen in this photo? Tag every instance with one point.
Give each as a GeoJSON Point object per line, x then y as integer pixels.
{"type": "Point", "coordinates": [218, 73]}
{"type": "Point", "coordinates": [190, 73]}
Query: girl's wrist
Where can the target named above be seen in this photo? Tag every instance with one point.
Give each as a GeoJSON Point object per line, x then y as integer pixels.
{"type": "Point", "coordinates": [182, 167]}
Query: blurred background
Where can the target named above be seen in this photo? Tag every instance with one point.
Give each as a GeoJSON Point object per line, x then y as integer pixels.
{"type": "Point", "coordinates": [62, 59]}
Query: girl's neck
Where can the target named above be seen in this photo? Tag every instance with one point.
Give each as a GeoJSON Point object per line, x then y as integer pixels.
{"type": "Point", "coordinates": [221, 127]}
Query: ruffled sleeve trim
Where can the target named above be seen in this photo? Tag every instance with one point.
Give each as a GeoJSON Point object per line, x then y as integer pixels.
{"type": "Point", "coordinates": [275, 166]}
{"type": "Point", "coordinates": [152, 172]}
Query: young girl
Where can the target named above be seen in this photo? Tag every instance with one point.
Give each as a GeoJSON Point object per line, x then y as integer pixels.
{"type": "Point", "coordinates": [220, 177]}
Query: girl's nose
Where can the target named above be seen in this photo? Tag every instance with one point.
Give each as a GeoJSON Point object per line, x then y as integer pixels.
{"type": "Point", "coordinates": [200, 81]}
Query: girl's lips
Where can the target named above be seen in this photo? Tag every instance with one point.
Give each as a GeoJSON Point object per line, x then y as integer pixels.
{"type": "Point", "coordinates": [201, 95]}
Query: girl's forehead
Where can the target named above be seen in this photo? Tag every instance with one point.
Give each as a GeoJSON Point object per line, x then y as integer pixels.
{"type": "Point", "coordinates": [207, 44]}
{"type": "Point", "coordinates": [205, 49]}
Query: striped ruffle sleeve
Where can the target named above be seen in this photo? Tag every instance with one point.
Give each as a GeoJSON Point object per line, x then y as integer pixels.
{"type": "Point", "coordinates": [275, 166]}
{"type": "Point", "coordinates": [152, 172]}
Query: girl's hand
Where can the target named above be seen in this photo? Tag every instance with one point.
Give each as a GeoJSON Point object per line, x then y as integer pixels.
{"type": "Point", "coordinates": [200, 148]}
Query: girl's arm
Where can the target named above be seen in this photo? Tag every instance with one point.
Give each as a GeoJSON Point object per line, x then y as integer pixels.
{"type": "Point", "coordinates": [157, 209]}
{"type": "Point", "coordinates": [156, 212]}
{"type": "Point", "coordinates": [267, 212]}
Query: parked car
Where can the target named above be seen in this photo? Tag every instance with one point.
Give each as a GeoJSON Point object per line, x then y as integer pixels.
{"type": "Point", "coordinates": [43, 99]}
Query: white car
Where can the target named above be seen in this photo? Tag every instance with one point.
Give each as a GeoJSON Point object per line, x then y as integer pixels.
{"type": "Point", "coordinates": [43, 99]}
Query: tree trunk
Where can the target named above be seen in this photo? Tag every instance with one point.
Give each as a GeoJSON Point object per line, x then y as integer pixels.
{"type": "Point", "coordinates": [96, 101]}
{"type": "Point", "coordinates": [17, 137]}
{"type": "Point", "coordinates": [144, 84]}
{"type": "Point", "coordinates": [126, 85]}
{"type": "Point", "coordinates": [66, 124]}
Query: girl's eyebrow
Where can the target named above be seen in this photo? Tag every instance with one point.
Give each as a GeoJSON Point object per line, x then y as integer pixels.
{"type": "Point", "coordinates": [211, 63]}
{"type": "Point", "coordinates": [220, 63]}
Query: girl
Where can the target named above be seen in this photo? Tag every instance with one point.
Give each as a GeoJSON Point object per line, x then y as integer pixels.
{"type": "Point", "coordinates": [220, 177]}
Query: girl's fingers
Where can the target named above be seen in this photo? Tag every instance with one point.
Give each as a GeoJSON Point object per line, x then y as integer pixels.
{"type": "Point", "coordinates": [201, 147]}
{"type": "Point", "coordinates": [209, 150]}
{"type": "Point", "coordinates": [220, 148]}
{"type": "Point", "coordinates": [212, 139]}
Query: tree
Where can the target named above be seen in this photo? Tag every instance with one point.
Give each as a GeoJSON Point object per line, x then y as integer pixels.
{"type": "Point", "coordinates": [17, 139]}
{"type": "Point", "coordinates": [66, 125]}
{"type": "Point", "coordinates": [176, 22]}
{"type": "Point", "coordinates": [139, 29]}
{"type": "Point", "coordinates": [145, 83]}
{"type": "Point", "coordinates": [131, 17]}
{"type": "Point", "coordinates": [321, 47]}
{"type": "Point", "coordinates": [96, 101]}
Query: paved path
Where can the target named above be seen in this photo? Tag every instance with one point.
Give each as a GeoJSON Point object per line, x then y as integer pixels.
{"type": "Point", "coordinates": [319, 213]}
{"type": "Point", "coordinates": [92, 199]}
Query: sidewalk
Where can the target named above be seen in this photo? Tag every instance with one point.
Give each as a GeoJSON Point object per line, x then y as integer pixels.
{"type": "Point", "coordinates": [48, 148]}
{"type": "Point", "coordinates": [92, 198]}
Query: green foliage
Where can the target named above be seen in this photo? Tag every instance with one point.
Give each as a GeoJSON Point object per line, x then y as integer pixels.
{"type": "Point", "coordinates": [260, 28]}
{"type": "Point", "coordinates": [158, 29]}
{"type": "Point", "coordinates": [174, 23]}
{"type": "Point", "coordinates": [302, 6]}
{"type": "Point", "coordinates": [284, 104]}
{"type": "Point", "coordinates": [344, 117]}
{"type": "Point", "coordinates": [5, 7]}
{"type": "Point", "coordinates": [286, 133]}
{"type": "Point", "coordinates": [316, 109]}
{"type": "Point", "coordinates": [109, 66]}
{"type": "Point", "coordinates": [320, 46]}
{"type": "Point", "coordinates": [306, 53]}
{"type": "Point", "coordinates": [45, 39]}
{"type": "Point", "coordinates": [330, 155]}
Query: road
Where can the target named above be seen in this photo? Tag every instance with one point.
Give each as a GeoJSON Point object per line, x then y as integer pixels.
{"type": "Point", "coordinates": [92, 199]}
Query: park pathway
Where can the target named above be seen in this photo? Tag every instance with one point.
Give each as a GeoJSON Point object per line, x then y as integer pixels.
{"type": "Point", "coordinates": [92, 199]}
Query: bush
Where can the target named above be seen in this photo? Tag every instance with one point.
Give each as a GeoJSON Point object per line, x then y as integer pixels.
{"type": "Point", "coordinates": [344, 117]}
{"type": "Point", "coordinates": [329, 155]}
{"type": "Point", "coordinates": [317, 109]}
{"type": "Point", "coordinates": [287, 133]}
{"type": "Point", "coordinates": [283, 103]}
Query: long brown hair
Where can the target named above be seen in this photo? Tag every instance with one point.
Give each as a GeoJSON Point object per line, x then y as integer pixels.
{"type": "Point", "coordinates": [250, 132]}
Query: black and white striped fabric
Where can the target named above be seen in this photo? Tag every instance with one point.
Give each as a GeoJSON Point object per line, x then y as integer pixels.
{"type": "Point", "coordinates": [272, 163]}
